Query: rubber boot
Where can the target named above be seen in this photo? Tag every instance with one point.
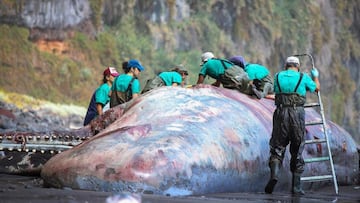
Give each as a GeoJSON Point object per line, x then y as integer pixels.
{"type": "Point", "coordinates": [296, 184]}
{"type": "Point", "coordinates": [267, 89]}
{"type": "Point", "coordinates": [274, 168]}
{"type": "Point", "coordinates": [256, 92]}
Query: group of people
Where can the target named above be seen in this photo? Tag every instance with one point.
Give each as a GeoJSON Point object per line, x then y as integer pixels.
{"type": "Point", "coordinates": [288, 88]}
{"type": "Point", "coordinates": [120, 88]}
{"type": "Point", "coordinates": [235, 73]}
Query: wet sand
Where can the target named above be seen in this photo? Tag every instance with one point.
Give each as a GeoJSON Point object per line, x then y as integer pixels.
{"type": "Point", "coordinates": [16, 189]}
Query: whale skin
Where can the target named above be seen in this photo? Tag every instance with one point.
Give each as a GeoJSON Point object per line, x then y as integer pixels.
{"type": "Point", "coordinates": [192, 141]}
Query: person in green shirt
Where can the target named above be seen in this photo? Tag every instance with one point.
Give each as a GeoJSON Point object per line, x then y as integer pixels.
{"type": "Point", "coordinates": [100, 97]}
{"type": "Point", "coordinates": [259, 76]}
{"type": "Point", "coordinates": [290, 86]}
{"type": "Point", "coordinates": [226, 73]}
{"type": "Point", "coordinates": [175, 77]}
{"type": "Point", "coordinates": [126, 86]}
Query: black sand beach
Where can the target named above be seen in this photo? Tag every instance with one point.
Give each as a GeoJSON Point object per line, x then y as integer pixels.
{"type": "Point", "coordinates": [16, 189]}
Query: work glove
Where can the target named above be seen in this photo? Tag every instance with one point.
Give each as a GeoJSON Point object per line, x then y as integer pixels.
{"type": "Point", "coordinates": [314, 73]}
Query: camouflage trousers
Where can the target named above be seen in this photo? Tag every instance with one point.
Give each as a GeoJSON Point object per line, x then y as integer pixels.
{"type": "Point", "coordinates": [152, 84]}
{"type": "Point", "coordinates": [236, 78]}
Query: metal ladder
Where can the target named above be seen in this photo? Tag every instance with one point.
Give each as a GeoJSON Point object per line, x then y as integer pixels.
{"type": "Point", "coordinates": [322, 122]}
{"type": "Point", "coordinates": [325, 140]}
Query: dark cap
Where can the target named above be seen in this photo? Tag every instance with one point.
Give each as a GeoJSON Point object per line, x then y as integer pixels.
{"type": "Point", "coordinates": [135, 64]}
{"type": "Point", "coordinates": [238, 60]}
{"type": "Point", "coordinates": [111, 71]}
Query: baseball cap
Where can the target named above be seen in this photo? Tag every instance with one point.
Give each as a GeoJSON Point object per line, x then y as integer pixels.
{"type": "Point", "coordinates": [292, 59]}
{"type": "Point", "coordinates": [111, 71]}
{"type": "Point", "coordinates": [135, 64]}
{"type": "Point", "coordinates": [206, 56]}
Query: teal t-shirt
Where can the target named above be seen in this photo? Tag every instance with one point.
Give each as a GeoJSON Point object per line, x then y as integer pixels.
{"type": "Point", "coordinates": [256, 71]}
{"type": "Point", "coordinates": [170, 77]}
{"type": "Point", "coordinates": [122, 82]}
{"type": "Point", "coordinates": [214, 68]}
{"type": "Point", "coordinates": [102, 94]}
{"type": "Point", "coordinates": [288, 80]}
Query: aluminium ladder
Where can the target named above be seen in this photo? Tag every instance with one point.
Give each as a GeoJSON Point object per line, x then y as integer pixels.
{"type": "Point", "coordinates": [325, 140]}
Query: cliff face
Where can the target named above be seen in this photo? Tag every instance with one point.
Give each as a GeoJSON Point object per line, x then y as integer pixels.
{"type": "Point", "coordinates": [161, 32]}
{"type": "Point", "coordinates": [49, 20]}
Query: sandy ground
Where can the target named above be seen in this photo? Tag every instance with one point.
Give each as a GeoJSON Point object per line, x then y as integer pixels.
{"type": "Point", "coordinates": [16, 189]}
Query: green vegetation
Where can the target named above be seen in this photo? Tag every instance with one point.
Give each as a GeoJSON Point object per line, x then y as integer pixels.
{"type": "Point", "coordinates": [27, 102]}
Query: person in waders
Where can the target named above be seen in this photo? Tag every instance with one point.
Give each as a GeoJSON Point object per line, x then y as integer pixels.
{"type": "Point", "coordinates": [290, 86]}
{"type": "Point", "coordinates": [100, 98]}
{"type": "Point", "coordinates": [126, 86]}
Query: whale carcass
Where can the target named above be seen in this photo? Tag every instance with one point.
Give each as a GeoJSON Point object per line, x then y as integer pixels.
{"type": "Point", "coordinates": [190, 141]}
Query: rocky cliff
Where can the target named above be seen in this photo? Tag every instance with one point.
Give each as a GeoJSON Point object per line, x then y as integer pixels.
{"type": "Point", "coordinates": [67, 43]}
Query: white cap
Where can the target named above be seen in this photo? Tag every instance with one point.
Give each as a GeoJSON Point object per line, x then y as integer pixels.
{"type": "Point", "coordinates": [293, 59]}
{"type": "Point", "coordinates": [206, 56]}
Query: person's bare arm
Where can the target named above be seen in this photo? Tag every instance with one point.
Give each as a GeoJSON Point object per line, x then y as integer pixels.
{"type": "Point", "coordinates": [216, 83]}
{"type": "Point", "coordinates": [135, 95]}
{"type": "Point", "coordinates": [270, 96]}
{"type": "Point", "coordinates": [174, 84]}
{"type": "Point", "coordinates": [316, 80]}
{"type": "Point", "coordinates": [99, 109]}
{"type": "Point", "coordinates": [200, 79]}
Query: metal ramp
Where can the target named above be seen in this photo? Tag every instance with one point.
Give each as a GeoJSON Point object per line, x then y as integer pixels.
{"type": "Point", "coordinates": [325, 140]}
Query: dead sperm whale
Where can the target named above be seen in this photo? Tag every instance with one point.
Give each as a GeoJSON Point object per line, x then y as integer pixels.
{"type": "Point", "coordinates": [176, 141]}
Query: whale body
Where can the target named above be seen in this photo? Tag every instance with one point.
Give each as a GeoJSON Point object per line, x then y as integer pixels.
{"type": "Point", "coordinates": [192, 141]}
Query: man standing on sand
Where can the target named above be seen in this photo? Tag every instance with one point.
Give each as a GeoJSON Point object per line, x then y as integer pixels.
{"type": "Point", "coordinates": [290, 86]}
